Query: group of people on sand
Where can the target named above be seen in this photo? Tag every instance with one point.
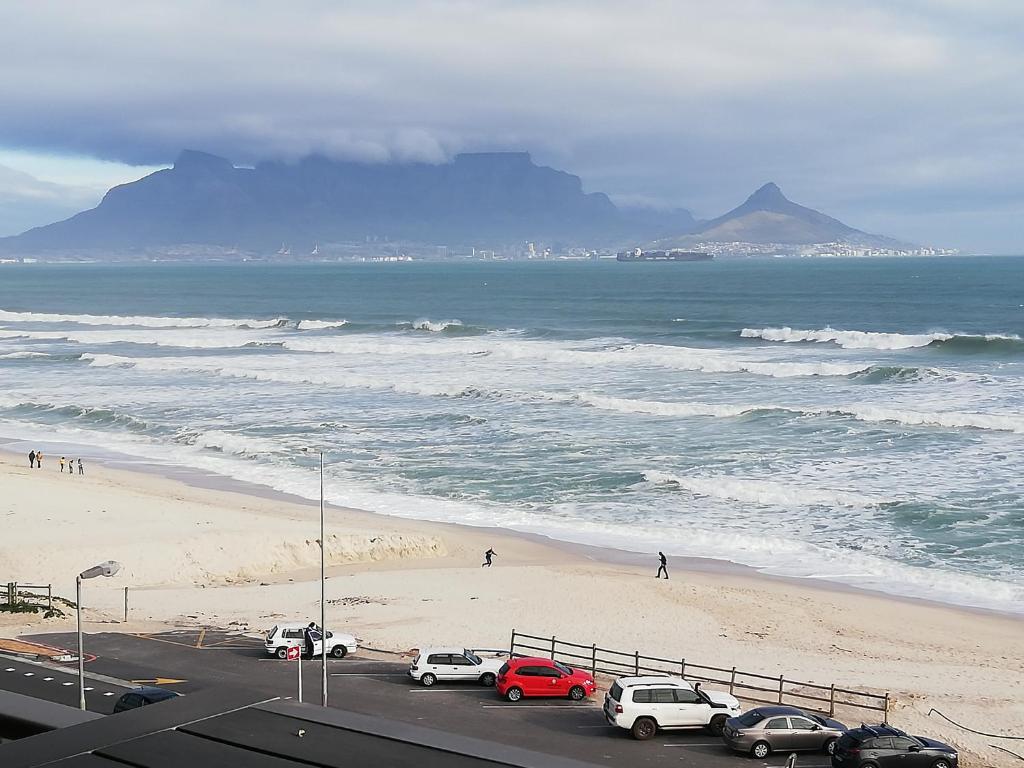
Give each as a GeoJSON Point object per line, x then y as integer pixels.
{"type": "Point", "coordinates": [35, 461]}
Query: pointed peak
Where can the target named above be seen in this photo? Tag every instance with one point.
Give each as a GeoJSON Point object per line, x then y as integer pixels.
{"type": "Point", "coordinates": [768, 195]}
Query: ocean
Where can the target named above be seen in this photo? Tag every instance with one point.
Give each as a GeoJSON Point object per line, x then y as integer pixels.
{"type": "Point", "coordinates": [859, 421]}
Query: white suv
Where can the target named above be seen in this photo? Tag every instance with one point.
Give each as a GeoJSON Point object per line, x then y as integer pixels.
{"type": "Point", "coordinates": [642, 705]}
{"type": "Point", "coordinates": [284, 636]}
{"type": "Point", "coordinates": [433, 664]}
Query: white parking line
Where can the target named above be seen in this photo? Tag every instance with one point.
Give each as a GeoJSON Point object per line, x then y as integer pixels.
{"type": "Point", "coordinates": [367, 674]}
{"type": "Point", "coordinates": [445, 690]}
{"type": "Point", "coordinates": [68, 683]}
{"type": "Point", "coordinates": [9, 669]}
{"type": "Point", "coordinates": [573, 707]}
{"type": "Point", "coordinates": [109, 693]}
{"type": "Point", "coordinates": [88, 688]}
{"type": "Point", "coordinates": [705, 744]}
{"type": "Point", "coordinates": [30, 674]}
{"type": "Point", "coordinates": [47, 679]}
{"type": "Point", "coordinates": [599, 726]}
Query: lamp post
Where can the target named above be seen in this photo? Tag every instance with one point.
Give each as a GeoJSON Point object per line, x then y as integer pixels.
{"type": "Point", "coordinates": [323, 588]}
{"type": "Point", "coordinates": [108, 568]}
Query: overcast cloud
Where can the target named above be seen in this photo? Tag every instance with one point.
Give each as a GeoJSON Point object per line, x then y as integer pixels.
{"type": "Point", "coordinates": [905, 118]}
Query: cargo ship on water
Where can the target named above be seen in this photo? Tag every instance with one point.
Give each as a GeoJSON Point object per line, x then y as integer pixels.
{"type": "Point", "coordinates": [638, 254]}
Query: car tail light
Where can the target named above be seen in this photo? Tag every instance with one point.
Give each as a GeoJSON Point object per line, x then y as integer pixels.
{"type": "Point", "coordinates": [618, 709]}
{"type": "Point", "coordinates": [415, 668]}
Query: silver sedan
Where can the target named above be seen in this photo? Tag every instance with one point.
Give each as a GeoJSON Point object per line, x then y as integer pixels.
{"type": "Point", "coordinates": [764, 730]}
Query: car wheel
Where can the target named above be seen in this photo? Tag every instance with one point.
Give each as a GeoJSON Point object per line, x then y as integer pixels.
{"type": "Point", "coordinates": [487, 679]}
{"type": "Point", "coordinates": [514, 694]}
{"type": "Point", "coordinates": [339, 651]}
{"type": "Point", "coordinates": [717, 724]}
{"type": "Point", "coordinates": [643, 728]}
{"type": "Point", "coordinates": [830, 746]}
{"type": "Point", "coordinates": [428, 680]}
{"type": "Point", "coordinates": [761, 750]}
{"type": "Point", "coordinates": [282, 653]}
{"type": "Point", "coordinates": [940, 764]}
{"type": "Point", "coordinates": [577, 693]}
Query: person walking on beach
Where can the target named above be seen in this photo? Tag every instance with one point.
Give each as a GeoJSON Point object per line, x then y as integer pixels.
{"type": "Point", "coordinates": [487, 558]}
{"type": "Point", "coordinates": [80, 470]}
{"type": "Point", "coordinates": [39, 459]}
{"type": "Point", "coordinates": [71, 468]}
{"type": "Point", "coordinates": [663, 568]}
{"type": "Point", "coordinates": [62, 465]}
{"type": "Point", "coordinates": [31, 459]}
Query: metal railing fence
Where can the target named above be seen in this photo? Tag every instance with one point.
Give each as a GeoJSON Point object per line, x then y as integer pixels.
{"type": "Point", "coordinates": [28, 593]}
{"type": "Point", "coordinates": [750, 686]}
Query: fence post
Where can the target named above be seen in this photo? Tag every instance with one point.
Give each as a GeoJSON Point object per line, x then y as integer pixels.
{"type": "Point", "coordinates": [49, 598]}
{"type": "Point", "coordinates": [636, 663]}
{"type": "Point", "coordinates": [832, 700]}
{"type": "Point", "coordinates": [885, 719]}
{"type": "Point", "coordinates": [11, 592]}
{"type": "Point", "coordinates": [512, 645]}
{"type": "Point", "coordinates": [780, 688]}
{"type": "Point", "coordinates": [593, 660]}
{"type": "Point", "coordinates": [552, 647]}
{"type": "Point", "coordinates": [126, 604]}
{"type": "Point", "coordinates": [732, 681]}
{"type": "Point", "coordinates": [682, 668]}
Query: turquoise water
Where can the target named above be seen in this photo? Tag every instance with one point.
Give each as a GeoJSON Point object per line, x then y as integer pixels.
{"type": "Point", "coordinates": [853, 420]}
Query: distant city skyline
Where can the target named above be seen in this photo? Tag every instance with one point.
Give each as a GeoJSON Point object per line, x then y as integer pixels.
{"type": "Point", "coordinates": [904, 120]}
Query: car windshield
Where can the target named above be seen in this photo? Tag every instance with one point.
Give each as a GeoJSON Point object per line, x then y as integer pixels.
{"type": "Point", "coordinates": [562, 668]}
{"type": "Point", "coordinates": [750, 719]}
{"type": "Point", "coordinates": [818, 719]}
{"type": "Point", "coordinates": [472, 657]}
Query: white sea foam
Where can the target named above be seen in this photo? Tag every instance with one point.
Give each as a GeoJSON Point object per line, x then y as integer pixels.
{"type": "Point", "coordinates": [186, 338]}
{"type": "Point", "coordinates": [320, 325]}
{"type": "Point", "coordinates": [21, 355]}
{"type": "Point", "coordinates": [864, 339]}
{"type": "Point", "coordinates": [765, 492]}
{"type": "Point", "coordinates": [435, 326]}
{"type": "Point", "coordinates": [143, 321]}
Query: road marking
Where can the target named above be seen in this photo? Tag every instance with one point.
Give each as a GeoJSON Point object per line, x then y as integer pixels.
{"type": "Point", "coordinates": [367, 674]}
{"type": "Point", "coordinates": [159, 681]}
{"type": "Point", "coordinates": [9, 669]}
{"type": "Point", "coordinates": [88, 688]}
{"type": "Point", "coordinates": [68, 683]}
{"type": "Point", "coordinates": [47, 679]}
{"type": "Point", "coordinates": [511, 706]}
{"type": "Point", "coordinates": [109, 693]}
{"type": "Point", "coordinates": [706, 744]}
{"type": "Point", "coordinates": [600, 726]}
{"type": "Point", "coordinates": [444, 690]}
{"type": "Point", "coordinates": [30, 674]}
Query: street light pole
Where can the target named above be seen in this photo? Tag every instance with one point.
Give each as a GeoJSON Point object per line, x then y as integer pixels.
{"type": "Point", "coordinates": [323, 591]}
{"type": "Point", "coordinates": [81, 659]}
{"type": "Point", "coordinates": [108, 568]}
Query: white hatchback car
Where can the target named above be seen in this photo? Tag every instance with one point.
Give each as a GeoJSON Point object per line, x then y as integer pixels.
{"type": "Point", "coordinates": [284, 636]}
{"type": "Point", "coordinates": [433, 664]}
{"type": "Point", "coordinates": [642, 705]}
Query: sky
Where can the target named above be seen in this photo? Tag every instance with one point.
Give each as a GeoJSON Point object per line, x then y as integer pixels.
{"type": "Point", "coordinates": [901, 118]}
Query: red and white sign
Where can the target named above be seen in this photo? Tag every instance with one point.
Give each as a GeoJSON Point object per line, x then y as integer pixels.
{"type": "Point", "coordinates": [294, 653]}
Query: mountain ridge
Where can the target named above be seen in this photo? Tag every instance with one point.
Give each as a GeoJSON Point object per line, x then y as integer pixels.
{"type": "Point", "coordinates": [481, 199]}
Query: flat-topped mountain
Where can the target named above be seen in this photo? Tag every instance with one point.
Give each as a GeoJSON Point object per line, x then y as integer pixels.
{"type": "Point", "coordinates": [768, 216]}
{"type": "Point", "coordinates": [476, 198]}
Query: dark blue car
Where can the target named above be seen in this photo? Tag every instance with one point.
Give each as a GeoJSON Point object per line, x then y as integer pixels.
{"type": "Point", "coordinates": [141, 697]}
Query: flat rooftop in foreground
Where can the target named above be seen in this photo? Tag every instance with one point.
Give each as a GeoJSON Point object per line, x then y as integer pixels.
{"type": "Point", "coordinates": [230, 730]}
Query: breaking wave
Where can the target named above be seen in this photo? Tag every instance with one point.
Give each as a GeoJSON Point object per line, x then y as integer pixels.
{"type": "Point", "coordinates": [320, 325]}
{"type": "Point", "coordinates": [882, 341]}
{"type": "Point", "coordinates": [21, 355]}
{"type": "Point", "coordinates": [764, 492]}
{"type": "Point", "coordinates": [143, 321]}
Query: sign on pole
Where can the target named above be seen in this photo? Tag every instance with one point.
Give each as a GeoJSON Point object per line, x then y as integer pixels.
{"type": "Point", "coordinates": [295, 654]}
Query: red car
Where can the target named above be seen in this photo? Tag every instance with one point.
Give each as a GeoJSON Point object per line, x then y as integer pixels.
{"type": "Point", "coordinates": [542, 677]}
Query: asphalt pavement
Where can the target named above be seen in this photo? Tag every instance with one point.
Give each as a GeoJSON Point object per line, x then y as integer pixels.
{"type": "Point", "coordinates": [191, 660]}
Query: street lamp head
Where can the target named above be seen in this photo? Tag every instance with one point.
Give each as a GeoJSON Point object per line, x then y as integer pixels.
{"type": "Point", "coordinates": [108, 568]}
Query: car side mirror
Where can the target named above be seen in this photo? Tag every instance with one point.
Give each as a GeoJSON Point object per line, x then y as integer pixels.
{"type": "Point", "coordinates": [816, 728]}
{"type": "Point", "coordinates": [915, 748]}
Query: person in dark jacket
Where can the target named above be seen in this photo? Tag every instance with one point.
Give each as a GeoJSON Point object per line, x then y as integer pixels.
{"type": "Point", "coordinates": [31, 459]}
{"type": "Point", "coordinates": [308, 637]}
{"type": "Point", "coordinates": [663, 568]}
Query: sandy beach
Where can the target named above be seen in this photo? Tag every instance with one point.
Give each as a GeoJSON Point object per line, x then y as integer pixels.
{"type": "Point", "coordinates": [200, 556]}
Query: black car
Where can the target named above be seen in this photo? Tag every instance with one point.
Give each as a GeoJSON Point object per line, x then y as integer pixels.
{"type": "Point", "coordinates": [140, 697]}
{"type": "Point", "coordinates": [882, 746]}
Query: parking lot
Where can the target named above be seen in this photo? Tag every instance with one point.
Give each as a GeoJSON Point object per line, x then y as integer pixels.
{"type": "Point", "coordinates": [190, 660]}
